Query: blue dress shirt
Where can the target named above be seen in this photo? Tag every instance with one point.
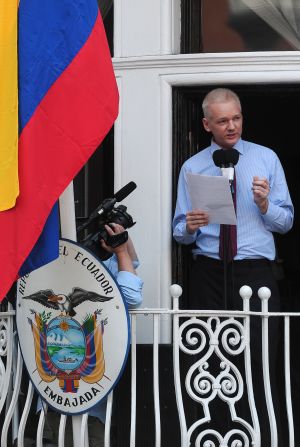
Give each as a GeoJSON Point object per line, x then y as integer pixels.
{"type": "Point", "coordinates": [254, 229]}
{"type": "Point", "coordinates": [130, 284]}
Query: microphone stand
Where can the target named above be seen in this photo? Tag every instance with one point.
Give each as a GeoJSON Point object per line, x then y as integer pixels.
{"type": "Point", "coordinates": [226, 246]}
{"type": "Point", "coordinates": [226, 159]}
{"type": "Point", "coordinates": [225, 270]}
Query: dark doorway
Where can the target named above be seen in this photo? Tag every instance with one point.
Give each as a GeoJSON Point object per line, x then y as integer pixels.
{"type": "Point", "coordinates": [270, 119]}
{"type": "Point", "coordinates": [95, 181]}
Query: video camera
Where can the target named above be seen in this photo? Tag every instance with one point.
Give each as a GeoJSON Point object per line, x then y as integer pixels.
{"type": "Point", "coordinates": [105, 214]}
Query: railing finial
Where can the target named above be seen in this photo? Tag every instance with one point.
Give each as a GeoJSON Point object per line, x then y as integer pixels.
{"type": "Point", "coordinates": [264, 293]}
{"type": "Point", "coordinates": [246, 292]}
{"type": "Point", "coordinates": [175, 290]}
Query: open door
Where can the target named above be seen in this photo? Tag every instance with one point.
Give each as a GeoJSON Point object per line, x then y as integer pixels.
{"type": "Point", "coordinates": [270, 119]}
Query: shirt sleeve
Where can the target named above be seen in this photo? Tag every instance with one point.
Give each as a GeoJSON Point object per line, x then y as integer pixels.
{"type": "Point", "coordinates": [183, 205]}
{"type": "Point", "coordinates": [112, 265]}
{"type": "Point", "coordinates": [280, 214]}
{"type": "Point", "coordinates": [130, 284]}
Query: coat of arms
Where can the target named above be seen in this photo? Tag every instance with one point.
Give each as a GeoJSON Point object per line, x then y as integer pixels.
{"type": "Point", "coordinates": [78, 349]}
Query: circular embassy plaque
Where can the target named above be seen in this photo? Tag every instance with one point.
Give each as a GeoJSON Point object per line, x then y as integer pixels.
{"type": "Point", "coordinates": [73, 329]}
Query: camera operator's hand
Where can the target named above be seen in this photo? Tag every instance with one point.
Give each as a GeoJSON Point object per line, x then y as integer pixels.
{"type": "Point", "coordinates": [112, 229]}
{"type": "Point", "coordinates": [122, 252]}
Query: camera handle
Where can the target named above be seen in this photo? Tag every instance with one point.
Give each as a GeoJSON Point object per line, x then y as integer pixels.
{"type": "Point", "coordinates": [92, 243]}
{"type": "Point", "coordinates": [117, 239]}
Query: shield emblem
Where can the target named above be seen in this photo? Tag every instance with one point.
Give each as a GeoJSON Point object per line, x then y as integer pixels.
{"type": "Point", "coordinates": [73, 329]}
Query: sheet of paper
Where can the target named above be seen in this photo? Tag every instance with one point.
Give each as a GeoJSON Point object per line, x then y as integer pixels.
{"type": "Point", "coordinates": [212, 194]}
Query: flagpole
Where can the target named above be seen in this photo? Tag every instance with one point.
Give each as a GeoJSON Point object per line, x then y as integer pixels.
{"type": "Point", "coordinates": [68, 231]}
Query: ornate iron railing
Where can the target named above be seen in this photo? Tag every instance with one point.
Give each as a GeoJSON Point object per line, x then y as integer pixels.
{"type": "Point", "coordinates": [212, 341]}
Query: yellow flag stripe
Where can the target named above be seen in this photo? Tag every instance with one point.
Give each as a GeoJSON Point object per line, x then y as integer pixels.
{"type": "Point", "coordinates": [9, 184]}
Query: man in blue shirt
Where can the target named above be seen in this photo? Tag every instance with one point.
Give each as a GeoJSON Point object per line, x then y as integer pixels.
{"type": "Point", "coordinates": [263, 203]}
{"type": "Point", "coordinates": [263, 206]}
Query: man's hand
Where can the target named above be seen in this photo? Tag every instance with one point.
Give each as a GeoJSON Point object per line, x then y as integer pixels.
{"type": "Point", "coordinates": [196, 219]}
{"type": "Point", "coordinates": [122, 252]}
{"type": "Point", "coordinates": [113, 229]}
{"type": "Point", "coordinates": [261, 190]}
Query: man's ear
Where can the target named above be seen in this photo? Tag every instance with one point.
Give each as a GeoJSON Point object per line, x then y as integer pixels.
{"type": "Point", "coordinates": [205, 124]}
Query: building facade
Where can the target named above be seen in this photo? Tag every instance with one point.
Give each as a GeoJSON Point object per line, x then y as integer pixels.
{"type": "Point", "coordinates": [167, 54]}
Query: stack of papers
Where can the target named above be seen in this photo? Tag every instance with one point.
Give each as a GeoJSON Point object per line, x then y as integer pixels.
{"type": "Point", "coordinates": [212, 194]}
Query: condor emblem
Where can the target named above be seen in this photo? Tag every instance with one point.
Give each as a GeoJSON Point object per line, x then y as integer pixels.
{"type": "Point", "coordinates": [73, 329]}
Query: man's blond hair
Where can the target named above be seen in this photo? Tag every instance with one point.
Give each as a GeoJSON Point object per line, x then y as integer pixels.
{"type": "Point", "coordinates": [219, 95]}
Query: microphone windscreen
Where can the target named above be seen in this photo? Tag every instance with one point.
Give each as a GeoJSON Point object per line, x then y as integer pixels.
{"type": "Point", "coordinates": [223, 157]}
{"type": "Point", "coordinates": [232, 156]}
{"type": "Point", "coordinates": [219, 157]}
{"type": "Point", "coordinates": [125, 191]}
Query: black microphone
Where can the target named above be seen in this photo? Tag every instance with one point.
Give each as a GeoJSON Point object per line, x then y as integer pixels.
{"type": "Point", "coordinates": [125, 191]}
{"type": "Point", "coordinates": [226, 159]}
{"type": "Point", "coordinates": [108, 204]}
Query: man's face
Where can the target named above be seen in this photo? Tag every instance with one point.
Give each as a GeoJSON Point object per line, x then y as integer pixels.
{"type": "Point", "coordinates": [225, 122]}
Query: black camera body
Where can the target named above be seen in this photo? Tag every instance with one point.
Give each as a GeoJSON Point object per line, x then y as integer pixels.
{"type": "Point", "coordinates": [106, 214]}
{"type": "Point", "coordinates": [117, 215]}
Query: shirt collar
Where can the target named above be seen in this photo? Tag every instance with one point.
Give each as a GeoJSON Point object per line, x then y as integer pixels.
{"type": "Point", "coordinates": [239, 146]}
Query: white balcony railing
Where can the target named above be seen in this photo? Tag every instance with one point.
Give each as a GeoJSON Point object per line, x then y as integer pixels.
{"type": "Point", "coordinates": [199, 337]}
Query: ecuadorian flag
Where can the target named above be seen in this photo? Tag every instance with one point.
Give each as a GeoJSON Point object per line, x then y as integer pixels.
{"type": "Point", "coordinates": [68, 101]}
{"type": "Point", "coordinates": [9, 184]}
